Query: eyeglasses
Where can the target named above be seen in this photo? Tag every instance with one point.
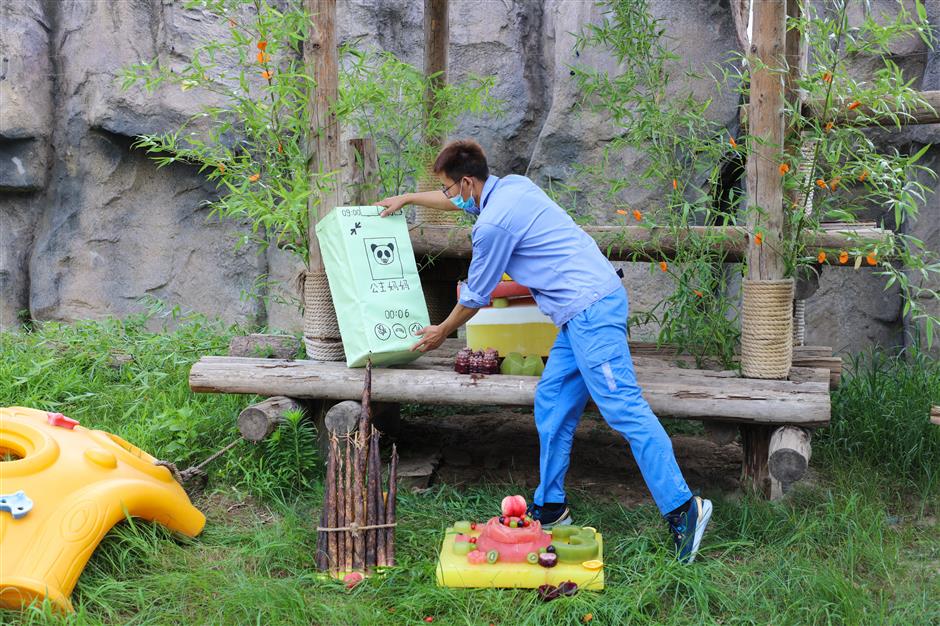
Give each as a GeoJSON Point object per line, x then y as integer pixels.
{"type": "Point", "coordinates": [446, 188]}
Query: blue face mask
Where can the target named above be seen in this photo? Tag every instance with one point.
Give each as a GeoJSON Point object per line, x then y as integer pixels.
{"type": "Point", "coordinates": [469, 205]}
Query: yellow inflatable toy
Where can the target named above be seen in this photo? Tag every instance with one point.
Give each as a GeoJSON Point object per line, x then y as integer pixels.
{"type": "Point", "coordinates": [62, 490]}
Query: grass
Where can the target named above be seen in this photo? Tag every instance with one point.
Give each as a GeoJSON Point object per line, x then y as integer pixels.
{"type": "Point", "coordinates": [859, 545]}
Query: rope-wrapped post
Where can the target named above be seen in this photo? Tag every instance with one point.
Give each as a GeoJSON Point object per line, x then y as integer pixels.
{"type": "Point", "coordinates": [799, 322]}
{"type": "Point", "coordinates": [767, 328]}
{"type": "Point", "coordinates": [432, 217]}
{"type": "Point", "coordinates": [321, 330]}
{"type": "Point", "coordinates": [439, 294]}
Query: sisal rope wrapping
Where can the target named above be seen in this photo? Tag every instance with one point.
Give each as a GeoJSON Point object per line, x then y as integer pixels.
{"type": "Point", "coordinates": [799, 322]}
{"type": "Point", "coordinates": [431, 217]}
{"type": "Point", "coordinates": [767, 328]}
{"type": "Point", "coordinates": [321, 330]}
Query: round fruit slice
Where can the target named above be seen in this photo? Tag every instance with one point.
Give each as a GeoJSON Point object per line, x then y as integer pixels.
{"type": "Point", "coordinates": [593, 564]}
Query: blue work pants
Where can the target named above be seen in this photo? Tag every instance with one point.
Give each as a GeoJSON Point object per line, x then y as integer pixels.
{"type": "Point", "coordinates": [590, 356]}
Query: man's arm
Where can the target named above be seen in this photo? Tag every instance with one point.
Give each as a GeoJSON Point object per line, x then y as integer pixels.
{"type": "Point", "coordinates": [429, 199]}
{"type": "Point", "coordinates": [492, 247]}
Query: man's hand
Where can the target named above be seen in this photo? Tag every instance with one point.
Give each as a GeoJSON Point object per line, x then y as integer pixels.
{"type": "Point", "coordinates": [393, 204]}
{"type": "Point", "coordinates": [431, 338]}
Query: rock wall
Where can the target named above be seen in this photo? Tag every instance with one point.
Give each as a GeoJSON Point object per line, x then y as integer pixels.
{"type": "Point", "coordinates": [89, 226]}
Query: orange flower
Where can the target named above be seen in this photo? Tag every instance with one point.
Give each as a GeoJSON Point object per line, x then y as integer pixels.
{"type": "Point", "coordinates": [263, 58]}
{"type": "Point", "coordinates": [663, 266]}
{"type": "Point", "coordinates": [698, 293]}
{"type": "Point", "coordinates": [221, 168]}
{"type": "Point", "coordinates": [280, 148]}
{"type": "Point", "coordinates": [854, 105]}
{"type": "Point", "coordinates": [821, 183]}
{"type": "Point", "coordinates": [262, 45]}
{"type": "Point", "coordinates": [734, 144]}
{"type": "Point", "coordinates": [828, 127]}
{"type": "Point", "coordinates": [843, 257]}
{"type": "Point", "coordinates": [821, 257]}
{"type": "Point", "coordinates": [637, 215]}
{"type": "Point", "coordinates": [758, 239]}
{"type": "Point", "coordinates": [675, 184]}
{"type": "Point", "coordinates": [863, 176]}
{"type": "Point", "coordinates": [621, 212]}
{"type": "Point", "coordinates": [587, 617]}
{"type": "Point", "coordinates": [784, 168]}
{"type": "Point", "coordinates": [834, 183]}
{"type": "Point", "coordinates": [254, 178]}
{"type": "Point", "coordinates": [267, 75]}
{"type": "Point", "coordinates": [871, 259]}
{"type": "Point", "coordinates": [827, 77]}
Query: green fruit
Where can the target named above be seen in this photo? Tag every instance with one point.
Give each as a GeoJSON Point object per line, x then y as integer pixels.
{"type": "Point", "coordinates": [500, 303]}
{"type": "Point", "coordinates": [492, 556]}
{"type": "Point", "coordinates": [532, 366]}
{"type": "Point", "coordinates": [462, 526]}
{"type": "Point", "coordinates": [463, 547]}
{"type": "Point", "coordinates": [512, 364]}
{"type": "Point", "coordinates": [532, 557]}
{"type": "Point", "coordinates": [581, 544]}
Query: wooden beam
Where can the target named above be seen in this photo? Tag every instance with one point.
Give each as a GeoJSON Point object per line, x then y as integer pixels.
{"type": "Point", "coordinates": [320, 59]}
{"type": "Point", "coordinates": [671, 391]}
{"type": "Point", "coordinates": [864, 115]}
{"type": "Point", "coordinates": [629, 243]}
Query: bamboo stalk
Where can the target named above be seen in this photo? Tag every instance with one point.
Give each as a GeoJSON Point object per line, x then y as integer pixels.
{"type": "Point", "coordinates": [377, 503]}
{"type": "Point", "coordinates": [340, 503]}
{"type": "Point", "coordinates": [361, 451]}
{"type": "Point", "coordinates": [371, 512]}
{"type": "Point", "coordinates": [390, 507]}
{"type": "Point", "coordinates": [348, 504]}
{"type": "Point", "coordinates": [330, 506]}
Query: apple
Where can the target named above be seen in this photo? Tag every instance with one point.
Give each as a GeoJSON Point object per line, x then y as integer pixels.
{"type": "Point", "coordinates": [513, 506]}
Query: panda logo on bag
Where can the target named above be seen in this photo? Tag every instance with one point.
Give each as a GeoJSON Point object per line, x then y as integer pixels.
{"type": "Point", "coordinates": [384, 262]}
{"type": "Point", "coordinates": [384, 254]}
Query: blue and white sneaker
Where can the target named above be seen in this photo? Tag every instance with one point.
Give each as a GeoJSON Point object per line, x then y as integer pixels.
{"type": "Point", "coordinates": [551, 514]}
{"type": "Point", "coordinates": [688, 527]}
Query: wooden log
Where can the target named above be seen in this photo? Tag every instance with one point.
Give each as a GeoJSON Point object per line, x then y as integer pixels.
{"type": "Point", "coordinates": [264, 346]}
{"type": "Point", "coordinates": [638, 243]}
{"type": "Point", "coordinates": [258, 421]}
{"type": "Point", "coordinates": [671, 391]}
{"type": "Point", "coordinates": [390, 506]}
{"type": "Point", "coordinates": [343, 417]}
{"type": "Point", "coordinates": [789, 454]}
{"type": "Point", "coordinates": [364, 167]}
{"type": "Point", "coordinates": [864, 115]}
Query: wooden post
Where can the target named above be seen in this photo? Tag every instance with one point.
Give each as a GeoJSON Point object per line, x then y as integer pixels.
{"type": "Point", "coordinates": [320, 59]}
{"type": "Point", "coordinates": [765, 190]}
{"type": "Point", "coordinates": [765, 120]}
{"type": "Point", "coordinates": [364, 170]}
{"type": "Point", "coordinates": [436, 41]}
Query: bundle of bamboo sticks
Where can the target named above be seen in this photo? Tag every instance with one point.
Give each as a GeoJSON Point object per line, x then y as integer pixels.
{"type": "Point", "coordinates": [357, 523]}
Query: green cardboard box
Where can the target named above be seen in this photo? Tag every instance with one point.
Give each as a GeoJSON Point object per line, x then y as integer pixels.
{"type": "Point", "coordinates": [373, 278]}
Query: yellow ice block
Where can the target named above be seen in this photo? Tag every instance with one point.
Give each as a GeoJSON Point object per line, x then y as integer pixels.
{"type": "Point", "coordinates": [519, 328]}
{"type": "Point", "coordinates": [453, 570]}
{"type": "Point", "coordinates": [64, 489]}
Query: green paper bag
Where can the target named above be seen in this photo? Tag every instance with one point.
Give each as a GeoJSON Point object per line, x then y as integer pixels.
{"type": "Point", "coordinates": [373, 278]}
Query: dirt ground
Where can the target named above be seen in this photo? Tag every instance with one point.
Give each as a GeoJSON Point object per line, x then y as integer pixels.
{"type": "Point", "coordinates": [502, 446]}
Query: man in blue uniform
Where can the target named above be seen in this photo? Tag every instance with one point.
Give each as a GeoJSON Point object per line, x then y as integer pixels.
{"type": "Point", "coordinates": [520, 231]}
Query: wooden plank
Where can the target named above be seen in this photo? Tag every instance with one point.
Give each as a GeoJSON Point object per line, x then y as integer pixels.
{"type": "Point", "coordinates": [840, 114]}
{"type": "Point", "coordinates": [637, 243]}
{"type": "Point", "coordinates": [320, 59]}
{"type": "Point", "coordinates": [671, 391]}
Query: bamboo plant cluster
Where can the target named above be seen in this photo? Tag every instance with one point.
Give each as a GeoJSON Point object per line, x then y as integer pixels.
{"type": "Point", "coordinates": [357, 522]}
